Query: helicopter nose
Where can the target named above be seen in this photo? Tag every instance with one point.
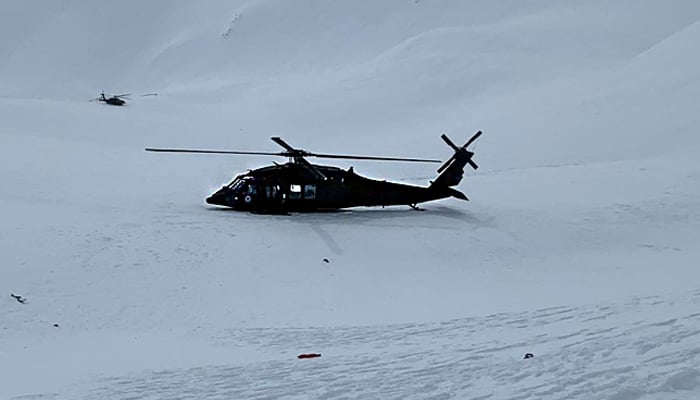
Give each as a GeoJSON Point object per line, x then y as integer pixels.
{"type": "Point", "coordinates": [218, 198]}
{"type": "Point", "coordinates": [212, 200]}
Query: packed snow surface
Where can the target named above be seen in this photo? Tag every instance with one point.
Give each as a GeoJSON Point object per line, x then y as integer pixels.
{"type": "Point", "coordinates": [579, 244]}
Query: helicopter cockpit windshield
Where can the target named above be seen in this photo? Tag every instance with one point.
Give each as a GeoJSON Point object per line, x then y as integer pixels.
{"type": "Point", "coordinates": [243, 186]}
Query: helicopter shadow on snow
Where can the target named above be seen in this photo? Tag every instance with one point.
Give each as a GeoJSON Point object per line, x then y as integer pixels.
{"type": "Point", "coordinates": [391, 217]}
{"type": "Point", "coordinates": [323, 222]}
{"type": "Point", "coordinates": [377, 217]}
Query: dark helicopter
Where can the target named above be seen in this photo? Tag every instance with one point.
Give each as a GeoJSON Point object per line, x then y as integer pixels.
{"type": "Point", "coordinates": [299, 186]}
{"type": "Point", "coordinates": [113, 100]}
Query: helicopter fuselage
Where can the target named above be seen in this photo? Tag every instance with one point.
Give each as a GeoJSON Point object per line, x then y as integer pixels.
{"type": "Point", "coordinates": [114, 101]}
{"type": "Point", "coordinates": [301, 186]}
{"type": "Point", "coordinates": [293, 187]}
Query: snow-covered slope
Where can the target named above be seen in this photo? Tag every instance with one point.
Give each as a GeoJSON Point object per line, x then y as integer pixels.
{"type": "Point", "coordinates": [579, 244]}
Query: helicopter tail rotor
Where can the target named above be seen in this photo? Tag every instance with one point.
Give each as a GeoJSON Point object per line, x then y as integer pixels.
{"type": "Point", "coordinates": [452, 171]}
{"type": "Point", "coordinates": [458, 150]}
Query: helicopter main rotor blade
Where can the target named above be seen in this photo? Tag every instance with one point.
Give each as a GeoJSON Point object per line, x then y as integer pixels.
{"type": "Point", "coordinates": [350, 157]}
{"type": "Point", "coordinates": [122, 95]}
{"type": "Point", "coordinates": [311, 168]}
{"type": "Point", "coordinates": [198, 151]}
{"type": "Point", "coordinates": [292, 153]}
{"type": "Point", "coordinates": [284, 144]}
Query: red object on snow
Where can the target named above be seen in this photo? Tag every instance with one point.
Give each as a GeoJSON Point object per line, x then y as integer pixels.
{"type": "Point", "coordinates": [308, 355]}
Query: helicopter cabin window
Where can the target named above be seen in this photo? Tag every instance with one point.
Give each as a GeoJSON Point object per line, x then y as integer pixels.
{"type": "Point", "coordinates": [272, 191]}
{"type": "Point", "coordinates": [294, 191]}
{"type": "Point", "coordinates": [309, 191]}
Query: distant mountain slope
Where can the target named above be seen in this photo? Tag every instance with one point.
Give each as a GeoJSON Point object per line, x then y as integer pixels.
{"type": "Point", "coordinates": [545, 79]}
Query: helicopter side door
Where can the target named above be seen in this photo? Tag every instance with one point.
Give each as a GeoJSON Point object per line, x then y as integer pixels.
{"type": "Point", "coordinates": [289, 196]}
{"type": "Point", "coordinates": [302, 196]}
{"type": "Point", "coordinates": [273, 194]}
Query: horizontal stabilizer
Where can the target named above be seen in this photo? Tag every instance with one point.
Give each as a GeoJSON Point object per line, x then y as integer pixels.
{"type": "Point", "coordinates": [457, 194]}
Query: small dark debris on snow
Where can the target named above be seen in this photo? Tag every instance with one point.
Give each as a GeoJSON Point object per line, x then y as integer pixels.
{"type": "Point", "coordinates": [55, 325]}
{"type": "Point", "coordinates": [528, 355]}
{"type": "Point", "coordinates": [18, 298]}
{"type": "Point", "coordinates": [308, 355]}
{"type": "Point", "coordinates": [325, 260]}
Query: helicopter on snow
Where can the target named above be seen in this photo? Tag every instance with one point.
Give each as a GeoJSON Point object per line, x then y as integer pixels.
{"type": "Point", "coordinates": [300, 186]}
{"type": "Point", "coordinates": [113, 100]}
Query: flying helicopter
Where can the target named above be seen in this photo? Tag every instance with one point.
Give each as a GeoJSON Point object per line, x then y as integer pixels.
{"type": "Point", "coordinates": [114, 100]}
{"type": "Point", "coordinates": [300, 186]}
